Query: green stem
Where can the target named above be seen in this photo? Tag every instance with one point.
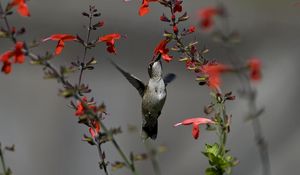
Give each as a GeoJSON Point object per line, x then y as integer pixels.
{"type": "Point", "coordinates": [2, 161]}
{"type": "Point", "coordinates": [222, 129]}
{"type": "Point", "coordinates": [85, 50]}
{"type": "Point", "coordinates": [152, 156]}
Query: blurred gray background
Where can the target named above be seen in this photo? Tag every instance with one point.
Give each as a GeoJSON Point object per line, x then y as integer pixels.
{"type": "Point", "coordinates": [46, 133]}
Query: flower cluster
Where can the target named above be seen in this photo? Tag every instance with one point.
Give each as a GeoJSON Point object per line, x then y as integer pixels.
{"type": "Point", "coordinates": [17, 54]}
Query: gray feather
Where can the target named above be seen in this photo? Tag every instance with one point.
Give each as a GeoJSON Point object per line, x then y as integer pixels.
{"type": "Point", "coordinates": [138, 84]}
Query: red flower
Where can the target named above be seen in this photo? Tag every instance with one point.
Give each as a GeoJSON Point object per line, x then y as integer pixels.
{"type": "Point", "coordinates": [110, 41]}
{"type": "Point", "coordinates": [192, 29]}
{"type": "Point", "coordinates": [95, 128]}
{"type": "Point", "coordinates": [80, 107]}
{"type": "Point", "coordinates": [161, 49]}
{"type": "Point", "coordinates": [177, 7]}
{"type": "Point", "coordinates": [6, 68]}
{"type": "Point", "coordinates": [195, 122]}
{"type": "Point", "coordinates": [255, 69]}
{"type": "Point", "coordinates": [61, 38]}
{"type": "Point", "coordinates": [213, 71]}
{"type": "Point", "coordinates": [22, 7]}
{"type": "Point", "coordinates": [206, 15]}
{"type": "Point", "coordinates": [18, 55]}
{"type": "Point", "coordinates": [144, 9]}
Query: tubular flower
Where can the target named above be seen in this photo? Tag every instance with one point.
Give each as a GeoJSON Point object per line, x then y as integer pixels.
{"type": "Point", "coordinates": [206, 16]}
{"type": "Point", "coordinates": [18, 55]}
{"type": "Point", "coordinates": [213, 71]}
{"type": "Point", "coordinates": [110, 41]}
{"type": "Point", "coordinates": [95, 128]}
{"type": "Point", "coordinates": [61, 38]}
{"type": "Point", "coordinates": [161, 49]}
{"type": "Point", "coordinates": [144, 8]}
{"type": "Point", "coordinates": [80, 107]}
{"type": "Point", "coordinates": [255, 69]}
{"type": "Point", "coordinates": [22, 7]}
{"type": "Point", "coordinates": [195, 122]}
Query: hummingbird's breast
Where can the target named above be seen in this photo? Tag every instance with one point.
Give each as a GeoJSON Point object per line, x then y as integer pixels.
{"type": "Point", "coordinates": [154, 98]}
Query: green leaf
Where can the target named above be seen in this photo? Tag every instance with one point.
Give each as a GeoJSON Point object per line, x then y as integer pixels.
{"type": "Point", "coordinates": [89, 140]}
{"type": "Point", "coordinates": [211, 171]}
{"type": "Point", "coordinates": [213, 149]}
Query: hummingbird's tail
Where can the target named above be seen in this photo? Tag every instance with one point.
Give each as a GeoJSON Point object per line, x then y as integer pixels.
{"type": "Point", "coordinates": [150, 130]}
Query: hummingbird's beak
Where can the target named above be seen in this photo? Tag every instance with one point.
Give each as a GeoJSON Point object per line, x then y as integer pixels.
{"type": "Point", "coordinates": [158, 57]}
{"type": "Point", "coordinates": [154, 59]}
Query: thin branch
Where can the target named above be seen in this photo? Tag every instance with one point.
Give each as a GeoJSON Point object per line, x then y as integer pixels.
{"type": "Point", "coordinates": [2, 161]}
{"type": "Point", "coordinates": [85, 48]}
{"type": "Point", "coordinates": [152, 155]}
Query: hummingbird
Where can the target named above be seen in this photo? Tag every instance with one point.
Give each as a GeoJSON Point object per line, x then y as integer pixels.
{"type": "Point", "coordinates": [153, 95]}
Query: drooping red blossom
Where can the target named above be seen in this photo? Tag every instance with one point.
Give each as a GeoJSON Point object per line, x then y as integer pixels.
{"type": "Point", "coordinates": [177, 7]}
{"type": "Point", "coordinates": [255, 69]}
{"type": "Point", "coordinates": [195, 122]}
{"type": "Point", "coordinates": [213, 72]}
{"type": "Point", "coordinates": [80, 110]}
{"type": "Point", "coordinates": [95, 128]}
{"type": "Point", "coordinates": [110, 41]}
{"type": "Point", "coordinates": [6, 68]}
{"type": "Point", "coordinates": [206, 16]}
{"type": "Point", "coordinates": [22, 7]}
{"type": "Point", "coordinates": [161, 49]}
{"type": "Point", "coordinates": [144, 8]}
{"type": "Point", "coordinates": [61, 38]}
{"type": "Point", "coordinates": [18, 55]}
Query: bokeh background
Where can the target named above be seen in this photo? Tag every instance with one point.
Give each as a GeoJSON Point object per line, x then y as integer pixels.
{"type": "Point", "coordinates": [46, 133]}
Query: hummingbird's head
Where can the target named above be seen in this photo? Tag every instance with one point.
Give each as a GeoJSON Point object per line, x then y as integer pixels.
{"type": "Point", "coordinates": [155, 68]}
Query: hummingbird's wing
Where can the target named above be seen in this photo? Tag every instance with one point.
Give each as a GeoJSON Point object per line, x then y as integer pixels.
{"type": "Point", "coordinates": [169, 78]}
{"type": "Point", "coordinates": [138, 84]}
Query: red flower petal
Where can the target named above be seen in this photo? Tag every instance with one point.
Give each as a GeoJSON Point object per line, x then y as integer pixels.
{"type": "Point", "coordinates": [167, 57]}
{"type": "Point", "coordinates": [208, 12]}
{"type": "Point", "coordinates": [195, 131]}
{"type": "Point", "coordinates": [144, 9]}
{"type": "Point", "coordinates": [110, 37]}
{"type": "Point", "coordinates": [110, 41]}
{"type": "Point", "coordinates": [213, 71]}
{"type": "Point", "coordinates": [161, 46]}
{"type": "Point", "coordinates": [23, 9]}
{"type": "Point", "coordinates": [206, 15]}
{"type": "Point", "coordinates": [18, 53]}
{"type": "Point", "coordinates": [206, 23]}
{"type": "Point", "coordinates": [8, 54]}
{"type": "Point", "coordinates": [6, 68]}
{"type": "Point", "coordinates": [255, 69]}
{"type": "Point", "coordinates": [58, 37]}
{"type": "Point", "coordinates": [59, 47]}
